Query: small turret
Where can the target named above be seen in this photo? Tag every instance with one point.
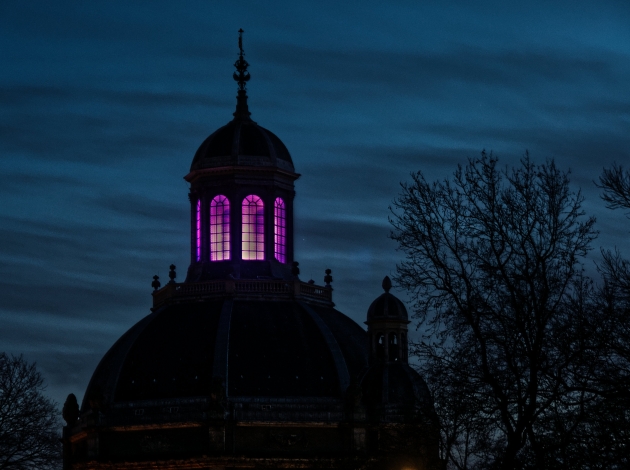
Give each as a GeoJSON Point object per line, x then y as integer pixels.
{"type": "Point", "coordinates": [397, 400]}
{"type": "Point", "coordinates": [387, 321]}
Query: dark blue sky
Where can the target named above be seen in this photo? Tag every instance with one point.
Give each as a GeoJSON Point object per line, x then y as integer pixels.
{"type": "Point", "coordinates": [104, 103]}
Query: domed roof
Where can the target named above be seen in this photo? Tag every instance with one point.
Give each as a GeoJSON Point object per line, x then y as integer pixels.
{"type": "Point", "coordinates": [387, 306]}
{"type": "Point", "coordinates": [242, 142]}
{"type": "Point", "coordinates": [394, 384]}
{"type": "Point", "coordinates": [257, 348]}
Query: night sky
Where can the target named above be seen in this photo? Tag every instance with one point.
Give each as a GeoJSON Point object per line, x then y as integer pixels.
{"type": "Point", "coordinates": [104, 103]}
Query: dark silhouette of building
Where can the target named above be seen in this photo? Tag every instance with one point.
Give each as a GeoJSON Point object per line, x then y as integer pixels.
{"type": "Point", "coordinates": [243, 364]}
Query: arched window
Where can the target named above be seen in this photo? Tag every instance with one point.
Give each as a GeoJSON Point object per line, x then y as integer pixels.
{"type": "Point", "coordinates": [198, 229]}
{"type": "Point", "coordinates": [253, 244]}
{"type": "Point", "coordinates": [393, 347]}
{"type": "Point", "coordinates": [380, 346]}
{"type": "Point", "coordinates": [219, 228]}
{"type": "Point", "coordinates": [280, 230]}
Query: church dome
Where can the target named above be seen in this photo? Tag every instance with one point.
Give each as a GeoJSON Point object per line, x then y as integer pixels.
{"type": "Point", "coordinates": [266, 349]}
{"type": "Point", "coordinates": [242, 142]}
{"type": "Point", "coordinates": [387, 306]}
{"type": "Point", "coordinates": [243, 364]}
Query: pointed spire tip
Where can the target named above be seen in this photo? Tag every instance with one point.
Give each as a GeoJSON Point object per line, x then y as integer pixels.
{"type": "Point", "coordinates": [241, 76]}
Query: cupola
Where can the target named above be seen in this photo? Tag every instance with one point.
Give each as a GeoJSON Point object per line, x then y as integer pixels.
{"type": "Point", "coordinates": [387, 321]}
{"type": "Point", "coordinates": [393, 392]}
{"type": "Point", "coordinates": [241, 195]}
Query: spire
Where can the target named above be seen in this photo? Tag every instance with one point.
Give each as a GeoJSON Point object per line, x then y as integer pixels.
{"type": "Point", "coordinates": [241, 76]}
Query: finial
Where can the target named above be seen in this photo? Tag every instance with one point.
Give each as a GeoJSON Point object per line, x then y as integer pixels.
{"type": "Point", "coordinates": [241, 76]}
{"type": "Point", "coordinates": [295, 270]}
{"type": "Point", "coordinates": [387, 284]}
{"type": "Point", "coordinates": [172, 274]}
{"type": "Point", "coordinates": [328, 278]}
{"type": "Point", "coordinates": [156, 282]}
{"type": "Point", "coordinates": [70, 410]}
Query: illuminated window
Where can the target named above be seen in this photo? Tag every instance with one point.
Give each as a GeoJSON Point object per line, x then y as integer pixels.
{"type": "Point", "coordinates": [280, 230]}
{"type": "Point", "coordinates": [219, 229]}
{"type": "Point", "coordinates": [253, 245]}
{"type": "Point", "coordinates": [198, 230]}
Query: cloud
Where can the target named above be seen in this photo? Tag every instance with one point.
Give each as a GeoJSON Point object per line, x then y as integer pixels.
{"type": "Point", "coordinates": [103, 127]}
{"type": "Point", "coordinates": [424, 73]}
{"type": "Point", "coordinates": [82, 272]}
{"type": "Point", "coordinates": [158, 212]}
{"type": "Point", "coordinates": [12, 182]}
{"type": "Point", "coordinates": [104, 105]}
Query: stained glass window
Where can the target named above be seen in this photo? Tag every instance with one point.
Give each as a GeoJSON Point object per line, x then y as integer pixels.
{"type": "Point", "coordinates": [280, 230]}
{"type": "Point", "coordinates": [198, 230]}
{"type": "Point", "coordinates": [219, 228]}
{"type": "Point", "coordinates": [253, 243]}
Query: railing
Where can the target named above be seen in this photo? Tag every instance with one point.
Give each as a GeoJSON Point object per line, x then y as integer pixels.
{"type": "Point", "coordinates": [264, 286]}
{"type": "Point", "coordinates": [242, 289]}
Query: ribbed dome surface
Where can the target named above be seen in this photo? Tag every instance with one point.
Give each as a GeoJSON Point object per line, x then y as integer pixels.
{"type": "Point", "coordinates": [394, 383]}
{"type": "Point", "coordinates": [391, 387]}
{"type": "Point", "coordinates": [259, 348]}
{"type": "Point", "coordinates": [387, 306]}
{"type": "Point", "coordinates": [242, 142]}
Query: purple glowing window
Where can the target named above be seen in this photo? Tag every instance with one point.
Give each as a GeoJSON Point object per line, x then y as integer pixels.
{"type": "Point", "coordinates": [198, 230]}
{"type": "Point", "coordinates": [280, 230]}
{"type": "Point", "coordinates": [219, 229]}
{"type": "Point", "coordinates": [253, 245]}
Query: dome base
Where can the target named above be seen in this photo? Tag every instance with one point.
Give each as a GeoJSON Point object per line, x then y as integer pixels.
{"type": "Point", "coordinates": [212, 270]}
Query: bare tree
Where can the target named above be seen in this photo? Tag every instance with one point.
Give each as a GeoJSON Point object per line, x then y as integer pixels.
{"type": "Point", "coordinates": [29, 428]}
{"type": "Point", "coordinates": [615, 182]}
{"type": "Point", "coordinates": [611, 428]}
{"type": "Point", "coordinates": [492, 260]}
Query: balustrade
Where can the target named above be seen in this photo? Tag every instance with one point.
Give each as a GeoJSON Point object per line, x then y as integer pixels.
{"type": "Point", "coordinates": [276, 289]}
